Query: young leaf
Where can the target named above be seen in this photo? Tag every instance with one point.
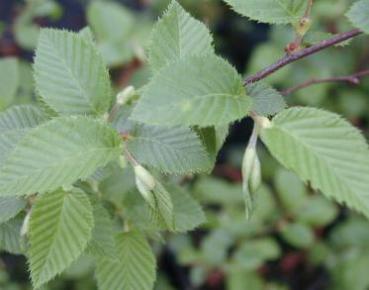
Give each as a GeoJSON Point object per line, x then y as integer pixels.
{"type": "Point", "coordinates": [10, 238]}
{"type": "Point", "coordinates": [60, 228]}
{"type": "Point", "coordinates": [134, 268]}
{"type": "Point", "coordinates": [102, 243]}
{"type": "Point", "coordinates": [270, 11]}
{"type": "Point", "coordinates": [358, 15]}
{"type": "Point", "coordinates": [265, 99]}
{"type": "Point", "coordinates": [298, 235]}
{"type": "Point", "coordinates": [14, 124]}
{"type": "Point", "coordinates": [177, 35]}
{"type": "Point", "coordinates": [10, 207]}
{"type": "Point", "coordinates": [201, 91]}
{"type": "Point", "coordinates": [70, 74]}
{"type": "Point", "coordinates": [171, 150]}
{"type": "Point", "coordinates": [58, 153]}
{"type": "Point", "coordinates": [253, 254]}
{"type": "Point", "coordinates": [324, 149]}
{"type": "Point", "coordinates": [9, 80]}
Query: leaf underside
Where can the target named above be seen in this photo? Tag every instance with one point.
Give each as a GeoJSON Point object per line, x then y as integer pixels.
{"type": "Point", "coordinates": [177, 35]}
{"type": "Point", "coordinates": [58, 153]}
{"type": "Point", "coordinates": [171, 150]}
{"type": "Point", "coordinates": [324, 149]}
{"type": "Point", "coordinates": [358, 15]}
{"type": "Point", "coordinates": [60, 228]}
{"type": "Point", "coordinates": [203, 91]}
{"type": "Point", "coordinates": [70, 74]}
{"type": "Point", "coordinates": [134, 268]}
{"type": "Point", "coordinates": [270, 11]}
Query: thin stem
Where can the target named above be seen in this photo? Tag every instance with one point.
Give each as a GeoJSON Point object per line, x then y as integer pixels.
{"type": "Point", "coordinates": [130, 157]}
{"type": "Point", "coordinates": [309, 8]}
{"type": "Point", "coordinates": [302, 54]}
{"type": "Point", "coordinates": [352, 79]}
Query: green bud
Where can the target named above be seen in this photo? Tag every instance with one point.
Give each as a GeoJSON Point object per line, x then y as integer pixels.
{"type": "Point", "coordinates": [303, 26]}
{"type": "Point", "coordinates": [145, 183]}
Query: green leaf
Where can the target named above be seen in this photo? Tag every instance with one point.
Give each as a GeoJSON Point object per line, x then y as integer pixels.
{"type": "Point", "coordinates": [104, 19]}
{"type": "Point", "coordinates": [270, 11]}
{"type": "Point", "coordinates": [203, 91]}
{"type": "Point", "coordinates": [324, 149]}
{"type": "Point", "coordinates": [238, 279]}
{"type": "Point", "coordinates": [10, 207]}
{"type": "Point", "coordinates": [171, 150]}
{"type": "Point", "coordinates": [70, 74]}
{"type": "Point", "coordinates": [358, 15]}
{"type": "Point", "coordinates": [87, 35]}
{"type": "Point", "coordinates": [188, 213]}
{"type": "Point", "coordinates": [14, 124]}
{"type": "Point", "coordinates": [102, 243]}
{"type": "Point", "coordinates": [291, 190]}
{"type": "Point", "coordinates": [215, 247]}
{"type": "Point", "coordinates": [58, 153]}
{"type": "Point", "coordinates": [157, 197]}
{"type": "Point", "coordinates": [252, 254]}
{"type": "Point", "coordinates": [177, 35]}
{"type": "Point", "coordinates": [134, 268]}
{"type": "Point", "coordinates": [9, 80]}
{"type": "Point", "coordinates": [116, 45]}
{"type": "Point", "coordinates": [213, 139]}
{"type": "Point", "coordinates": [10, 238]}
{"type": "Point", "coordinates": [19, 118]}
{"type": "Point", "coordinates": [266, 100]}
{"type": "Point", "coordinates": [298, 235]}
{"type": "Point", "coordinates": [60, 228]}
{"type": "Point", "coordinates": [318, 211]}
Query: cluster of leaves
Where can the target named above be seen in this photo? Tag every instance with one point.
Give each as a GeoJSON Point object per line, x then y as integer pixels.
{"type": "Point", "coordinates": [72, 181]}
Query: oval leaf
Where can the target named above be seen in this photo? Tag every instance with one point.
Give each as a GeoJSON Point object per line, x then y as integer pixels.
{"type": "Point", "coordinates": [60, 228]}
{"type": "Point", "coordinates": [324, 149]}
{"type": "Point", "coordinates": [201, 91]}
{"type": "Point", "coordinates": [70, 74]}
{"type": "Point", "coordinates": [58, 153]}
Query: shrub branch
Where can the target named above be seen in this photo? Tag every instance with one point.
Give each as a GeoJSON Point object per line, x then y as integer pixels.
{"type": "Point", "coordinates": [352, 79]}
{"type": "Point", "coordinates": [302, 54]}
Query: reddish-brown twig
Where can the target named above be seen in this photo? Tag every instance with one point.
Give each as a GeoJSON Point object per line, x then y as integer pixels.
{"type": "Point", "coordinates": [302, 54]}
{"type": "Point", "coordinates": [352, 79]}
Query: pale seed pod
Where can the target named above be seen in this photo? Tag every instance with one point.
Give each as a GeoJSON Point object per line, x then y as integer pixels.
{"type": "Point", "coordinates": [255, 177]}
{"type": "Point", "coordinates": [126, 95]}
{"type": "Point", "coordinates": [145, 183]}
{"type": "Point", "coordinates": [25, 226]}
{"type": "Point", "coordinates": [247, 167]}
{"type": "Point", "coordinates": [248, 162]}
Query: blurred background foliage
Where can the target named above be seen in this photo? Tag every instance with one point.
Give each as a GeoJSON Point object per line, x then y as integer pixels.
{"type": "Point", "coordinates": [297, 239]}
